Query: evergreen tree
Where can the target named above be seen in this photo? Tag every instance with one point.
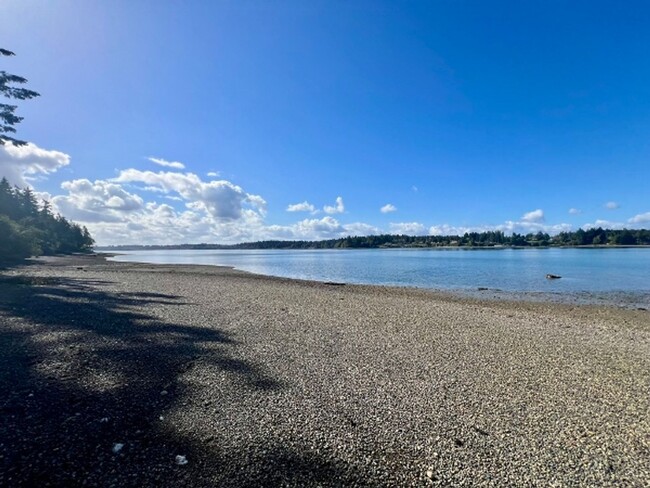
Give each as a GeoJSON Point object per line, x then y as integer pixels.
{"type": "Point", "coordinates": [8, 118]}
{"type": "Point", "coordinates": [6, 197]}
{"type": "Point", "coordinates": [29, 230]}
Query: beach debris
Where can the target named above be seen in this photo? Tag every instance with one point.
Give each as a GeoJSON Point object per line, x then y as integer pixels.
{"type": "Point", "coordinates": [553, 277]}
{"type": "Point", "coordinates": [117, 447]}
{"type": "Point", "coordinates": [483, 288]}
{"type": "Point", "coordinates": [181, 460]}
{"type": "Point", "coordinates": [333, 283]}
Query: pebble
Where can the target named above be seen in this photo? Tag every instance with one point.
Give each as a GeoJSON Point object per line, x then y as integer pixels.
{"type": "Point", "coordinates": [414, 370]}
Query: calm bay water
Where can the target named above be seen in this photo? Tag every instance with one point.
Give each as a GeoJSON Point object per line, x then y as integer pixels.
{"type": "Point", "coordinates": [510, 270]}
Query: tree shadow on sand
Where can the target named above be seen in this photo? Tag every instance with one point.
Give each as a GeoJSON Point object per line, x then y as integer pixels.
{"type": "Point", "coordinates": [82, 369]}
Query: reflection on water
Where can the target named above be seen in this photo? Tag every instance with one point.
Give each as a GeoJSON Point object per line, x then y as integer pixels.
{"type": "Point", "coordinates": [582, 270]}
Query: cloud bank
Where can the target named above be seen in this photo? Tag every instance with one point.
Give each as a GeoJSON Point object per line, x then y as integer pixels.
{"type": "Point", "coordinates": [199, 211]}
{"type": "Point", "coordinates": [408, 228]}
{"type": "Point", "coordinates": [21, 164]}
{"type": "Point", "coordinates": [175, 206]}
{"type": "Point", "coordinates": [223, 200]}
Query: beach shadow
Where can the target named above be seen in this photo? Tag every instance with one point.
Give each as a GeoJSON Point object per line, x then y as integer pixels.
{"type": "Point", "coordinates": [84, 369]}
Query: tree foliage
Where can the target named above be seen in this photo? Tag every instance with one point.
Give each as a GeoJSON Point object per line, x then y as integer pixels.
{"type": "Point", "coordinates": [489, 239]}
{"type": "Point", "coordinates": [8, 117]}
{"type": "Point", "coordinates": [27, 229]}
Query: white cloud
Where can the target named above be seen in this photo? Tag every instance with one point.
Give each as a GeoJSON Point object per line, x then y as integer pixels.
{"type": "Point", "coordinates": [256, 201]}
{"type": "Point", "coordinates": [162, 224]}
{"type": "Point", "coordinates": [408, 228]}
{"type": "Point", "coordinates": [448, 230]}
{"type": "Point", "coordinates": [215, 211]}
{"type": "Point", "coordinates": [525, 227]}
{"type": "Point", "coordinates": [152, 222]}
{"type": "Point", "coordinates": [213, 174]}
{"type": "Point", "coordinates": [327, 226]}
{"type": "Point", "coordinates": [611, 205]}
{"type": "Point", "coordinates": [301, 207]}
{"type": "Point", "coordinates": [100, 201]}
{"type": "Point", "coordinates": [156, 224]}
{"type": "Point", "coordinates": [19, 164]}
{"type": "Point", "coordinates": [508, 227]}
{"type": "Point", "coordinates": [575, 211]}
{"type": "Point", "coordinates": [605, 224]}
{"type": "Point", "coordinates": [640, 218]}
{"type": "Point", "coordinates": [534, 216]}
{"type": "Point", "coordinates": [167, 164]}
{"type": "Point", "coordinates": [339, 208]}
{"type": "Point", "coordinates": [361, 229]}
{"type": "Point", "coordinates": [220, 198]}
{"type": "Point", "coordinates": [317, 229]}
{"type": "Point", "coordinates": [389, 207]}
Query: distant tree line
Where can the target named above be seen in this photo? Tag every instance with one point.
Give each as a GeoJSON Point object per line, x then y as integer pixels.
{"type": "Point", "coordinates": [489, 239]}
{"type": "Point", "coordinates": [29, 229]}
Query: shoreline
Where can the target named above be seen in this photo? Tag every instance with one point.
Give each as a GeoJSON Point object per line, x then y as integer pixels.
{"type": "Point", "coordinates": [260, 380]}
{"type": "Point", "coordinates": [195, 247]}
{"type": "Point", "coordinates": [619, 299]}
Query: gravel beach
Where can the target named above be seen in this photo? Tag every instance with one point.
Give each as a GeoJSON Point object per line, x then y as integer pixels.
{"type": "Point", "coordinates": [117, 374]}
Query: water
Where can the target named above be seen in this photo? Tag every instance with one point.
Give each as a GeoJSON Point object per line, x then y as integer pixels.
{"type": "Point", "coordinates": [594, 271]}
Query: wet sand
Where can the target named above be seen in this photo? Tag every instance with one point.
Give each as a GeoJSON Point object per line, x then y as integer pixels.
{"type": "Point", "coordinates": [260, 381]}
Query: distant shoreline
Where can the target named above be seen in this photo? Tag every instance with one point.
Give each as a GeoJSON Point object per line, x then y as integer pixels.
{"type": "Point", "coordinates": [193, 247]}
{"type": "Point", "coordinates": [599, 237]}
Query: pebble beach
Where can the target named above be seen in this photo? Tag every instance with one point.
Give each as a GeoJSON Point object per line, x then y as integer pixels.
{"type": "Point", "coordinates": [124, 374]}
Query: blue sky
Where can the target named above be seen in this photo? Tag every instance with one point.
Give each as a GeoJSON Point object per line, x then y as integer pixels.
{"type": "Point", "coordinates": [449, 115]}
